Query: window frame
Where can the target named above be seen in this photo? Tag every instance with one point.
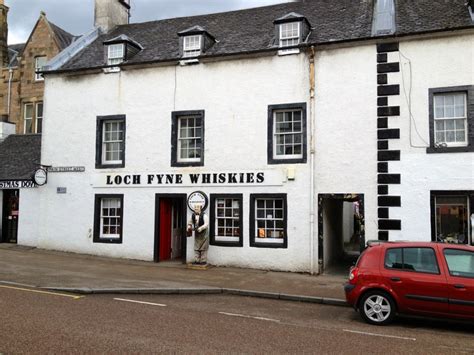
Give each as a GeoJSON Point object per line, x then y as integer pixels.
{"type": "Point", "coordinates": [403, 260]}
{"type": "Point", "coordinates": [38, 117]}
{"type": "Point", "coordinates": [186, 52]}
{"type": "Point", "coordinates": [213, 220]}
{"type": "Point", "coordinates": [32, 104]}
{"type": "Point", "coordinates": [271, 157]}
{"type": "Point", "coordinates": [121, 58]}
{"type": "Point", "coordinates": [281, 39]}
{"type": "Point", "coordinates": [101, 120]}
{"type": "Point", "coordinates": [98, 218]}
{"type": "Point", "coordinates": [38, 76]}
{"type": "Point", "coordinates": [252, 220]}
{"type": "Point", "coordinates": [468, 90]}
{"type": "Point", "coordinates": [455, 193]}
{"type": "Point", "coordinates": [175, 124]}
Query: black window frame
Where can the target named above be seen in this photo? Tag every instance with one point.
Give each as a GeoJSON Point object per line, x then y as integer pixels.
{"type": "Point", "coordinates": [253, 242]}
{"type": "Point", "coordinates": [403, 261]}
{"type": "Point", "coordinates": [99, 136]}
{"type": "Point", "coordinates": [212, 225]}
{"type": "Point", "coordinates": [97, 211]}
{"type": "Point", "coordinates": [440, 193]}
{"type": "Point", "coordinates": [293, 106]}
{"type": "Point", "coordinates": [469, 90]}
{"type": "Point", "coordinates": [175, 115]}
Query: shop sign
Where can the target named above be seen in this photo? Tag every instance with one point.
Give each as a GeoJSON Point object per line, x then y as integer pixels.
{"type": "Point", "coordinates": [40, 177]}
{"type": "Point", "coordinates": [197, 198]}
{"type": "Point", "coordinates": [16, 184]}
{"type": "Point", "coordinates": [254, 178]}
{"type": "Point", "coordinates": [66, 169]}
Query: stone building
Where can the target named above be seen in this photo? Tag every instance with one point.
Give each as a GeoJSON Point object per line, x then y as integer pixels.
{"type": "Point", "coordinates": [21, 88]}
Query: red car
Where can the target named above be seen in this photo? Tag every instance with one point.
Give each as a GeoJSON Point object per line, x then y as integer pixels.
{"type": "Point", "coordinates": [427, 279]}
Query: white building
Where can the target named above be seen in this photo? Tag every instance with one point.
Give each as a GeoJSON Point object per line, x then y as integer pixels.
{"type": "Point", "coordinates": [310, 127]}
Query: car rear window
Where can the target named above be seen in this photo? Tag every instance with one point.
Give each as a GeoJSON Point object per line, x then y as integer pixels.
{"type": "Point", "coordinates": [412, 259]}
{"type": "Point", "coordinates": [460, 262]}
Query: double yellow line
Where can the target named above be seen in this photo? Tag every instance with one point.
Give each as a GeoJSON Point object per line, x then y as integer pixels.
{"type": "Point", "coordinates": [42, 292]}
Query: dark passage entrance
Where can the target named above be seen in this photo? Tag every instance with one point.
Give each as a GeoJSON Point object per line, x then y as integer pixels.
{"type": "Point", "coordinates": [170, 238]}
{"type": "Point", "coordinates": [10, 215]}
{"type": "Point", "coordinates": [341, 231]}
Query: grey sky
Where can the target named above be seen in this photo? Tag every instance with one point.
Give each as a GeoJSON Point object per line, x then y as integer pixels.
{"type": "Point", "coordinates": [76, 16]}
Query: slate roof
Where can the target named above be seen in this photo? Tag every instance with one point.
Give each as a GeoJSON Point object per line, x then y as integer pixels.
{"type": "Point", "coordinates": [13, 51]}
{"type": "Point", "coordinates": [20, 155]}
{"type": "Point", "coordinates": [252, 30]}
{"type": "Point", "coordinates": [64, 38]}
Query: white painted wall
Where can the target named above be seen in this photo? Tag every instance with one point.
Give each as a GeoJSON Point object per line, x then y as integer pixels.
{"type": "Point", "coordinates": [29, 217]}
{"type": "Point", "coordinates": [235, 96]}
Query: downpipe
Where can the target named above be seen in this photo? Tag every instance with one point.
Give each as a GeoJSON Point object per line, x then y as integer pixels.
{"type": "Point", "coordinates": [312, 154]}
{"type": "Point", "coordinates": [10, 78]}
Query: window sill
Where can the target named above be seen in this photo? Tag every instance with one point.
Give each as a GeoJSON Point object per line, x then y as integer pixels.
{"type": "Point", "coordinates": [107, 241]}
{"type": "Point", "coordinates": [282, 52]}
{"type": "Point", "coordinates": [256, 244]}
{"type": "Point", "coordinates": [434, 150]}
{"type": "Point", "coordinates": [109, 166]}
{"type": "Point", "coordinates": [183, 164]}
{"type": "Point", "coordinates": [273, 161]}
{"type": "Point", "coordinates": [219, 243]}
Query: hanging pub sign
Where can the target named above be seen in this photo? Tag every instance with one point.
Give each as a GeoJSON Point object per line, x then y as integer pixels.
{"type": "Point", "coordinates": [252, 178]}
{"type": "Point", "coordinates": [40, 177]}
{"type": "Point", "coordinates": [197, 198]}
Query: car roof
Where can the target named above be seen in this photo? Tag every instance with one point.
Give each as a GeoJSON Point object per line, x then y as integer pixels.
{"type": "Point", "coordinates": [415, 244]}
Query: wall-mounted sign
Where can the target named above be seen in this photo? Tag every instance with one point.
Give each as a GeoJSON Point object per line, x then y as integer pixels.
{"type": "Point", "coordinates": [16, 184]}
{"type": "Point", "coordinates": [40, 177]}
{"type": "Point", "coordinates": [66, 169]}
{"type": "Point", "coordinates": [254, 178]}
{"type": "Point", "coordinates": [61, 190]}
{"type": "Point", "coordinates": [197, 198]}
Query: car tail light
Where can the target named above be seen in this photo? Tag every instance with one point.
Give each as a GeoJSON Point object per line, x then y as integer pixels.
{"type": "Point", "coordinates": [353, 275]}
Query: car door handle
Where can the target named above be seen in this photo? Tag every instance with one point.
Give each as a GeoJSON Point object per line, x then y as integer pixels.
{"type": "Point", "coordinates": [459, 286]}
{"type": "Point", "coordinates": [396, 279]}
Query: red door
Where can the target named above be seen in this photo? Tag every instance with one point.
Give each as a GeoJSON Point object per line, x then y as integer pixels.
{"type": "Point", "coordinates": [165, 229]}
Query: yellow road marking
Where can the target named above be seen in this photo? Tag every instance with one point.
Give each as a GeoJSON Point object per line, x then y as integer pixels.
{"type": "Point", "coordinates": [42, 292]}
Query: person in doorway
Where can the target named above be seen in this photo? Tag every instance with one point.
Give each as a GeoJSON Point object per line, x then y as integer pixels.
{"type": "Point", "coordinates": [200, 224]}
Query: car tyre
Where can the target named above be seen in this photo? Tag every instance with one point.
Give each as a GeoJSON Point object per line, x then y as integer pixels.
{"type": "Point", "coordinates": [377, 307]}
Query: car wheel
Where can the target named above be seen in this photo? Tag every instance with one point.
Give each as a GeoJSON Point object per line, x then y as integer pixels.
{"type": "Point", "coordinates": [377, 307]}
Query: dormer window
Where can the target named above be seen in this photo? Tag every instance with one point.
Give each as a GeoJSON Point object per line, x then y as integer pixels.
{"type": "Point", "coordinates": [291, 30]}
{"type": "Point", "coordinates": [289, 34]}
{"type": "Point", "coordinates": [192, 46]}
{"type": "Point", "coordinates": [119, 50]}
{"type": "Point", "coordinates": [194, 42]}
{"type": "Point", "coordinates": [116, 54]}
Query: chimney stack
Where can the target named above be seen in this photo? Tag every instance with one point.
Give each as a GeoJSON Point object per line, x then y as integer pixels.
{"type": "Point", "coordinates": [111, 13]}
{"type": "Point", "coordinates": [3, 35]}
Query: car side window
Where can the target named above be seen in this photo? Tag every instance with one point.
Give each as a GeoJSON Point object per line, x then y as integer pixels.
{"type": "Point", "coordinates": [460, 262]}
{"type": "Point", "coordinates": [412, 259]}
{"type": "Point", "coordinates": [393, 259]}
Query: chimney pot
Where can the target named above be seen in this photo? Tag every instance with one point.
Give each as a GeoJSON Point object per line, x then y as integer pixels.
{"type": "Point", "coordinates": [111, 13]}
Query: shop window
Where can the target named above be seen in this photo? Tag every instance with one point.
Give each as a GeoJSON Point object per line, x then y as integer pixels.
{"type": "Point", "coordinates": [187, 140]}
{"type": "Point", "coordinates": [268, 221]}
{"type": "Point", "coordinates": [451, 120]}
{"type": "Point", "coordinates": [110, 142]}
{"type": "Point", "coordinates": [287, 134]}
{"type": "Point", "coordinates": [412, 259]}
{"type": "Point", "coordinates": [108, 219]}
{"type": "Point", "coordinates": [452, 216]}
{"type": "Point", "coordinates": [40, 62]}
{"type": "Point", "coordinates": [28, 118]}
{"type": "Point", "coordinates": [226, 220]}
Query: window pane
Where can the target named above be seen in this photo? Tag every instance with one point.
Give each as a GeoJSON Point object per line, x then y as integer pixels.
{"type": "Point", "coordinates": [420, 260]}
{"type": "Point", "coordinates": [460, 262]}
{"type": "Point", "coordinates": [28, 111]}
{"type": "Point", "coordinates": [393, 259]}
{"type": "Point", "coordinates": [452, 219]}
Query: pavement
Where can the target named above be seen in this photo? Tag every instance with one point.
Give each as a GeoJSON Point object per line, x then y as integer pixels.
{"type": "Point", "coordinates": [87, 274]}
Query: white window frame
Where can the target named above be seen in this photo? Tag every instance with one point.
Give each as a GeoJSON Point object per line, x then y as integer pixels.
{"type": "Point", "coordinates": [180, 139]}
{"type": "Point", "coordinates": [219, 238]}
{"type": "Point", "coordinates": [115, 57]}
{"type": "Point", "coordinates": [38, 117]}
{"type": "Point", "coordinates": [275, 135]}
{"type": "Point", "coordinates": [38, 76]}
{"type": "Point", "coordinates": [266, 218]}
{"type": "Point", "coordinates": [105, 142]}
{"type": "Point", "coordinates": [193, 51]}
{"type": "Point", "coordinates": [117, 216]}
{"type": "Point", "coordinates": [445, 119]}
{"type": "Point", "coordinates": [287, 38]}
{"type": "Point", "coordinates": [25, 119]}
